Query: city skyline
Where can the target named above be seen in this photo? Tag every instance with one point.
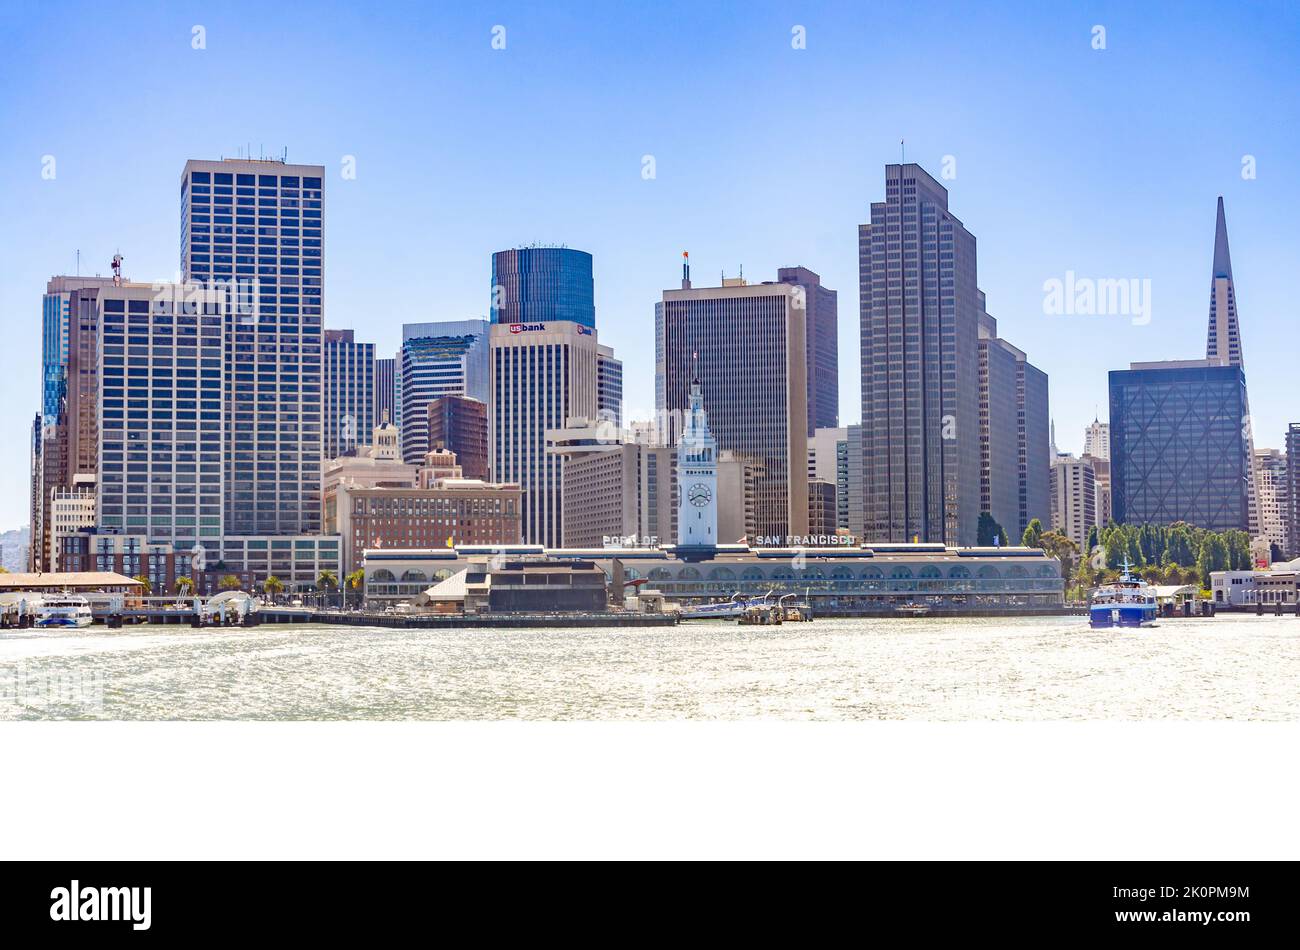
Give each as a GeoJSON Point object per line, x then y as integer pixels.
{"type": "Point", "coordinates": [1119, 205]}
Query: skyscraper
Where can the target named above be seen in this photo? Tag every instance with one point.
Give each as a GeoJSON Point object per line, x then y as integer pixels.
{"type": "Point", "coordinates": [444, 358]}
{"type": "Point", "coordinates": [386, 390]}
{"type": "Point", "coordinates": [920, 311]}
{"type": "Point", "coordinates": [542, 374]}
{"type": "Point", "coordinates": [1096, 440]}
{"type": "Point", "coordinates": [460, 424]}
{"type": "Point", "coordinates": [1073, 499]}
{"type": "Point", "coordinates": [1179, 448]}
{"type": "Point", "coordinates": [1271, 467]}
{"type": "Point", "coordinates": [1223, 345]}
{"type": "Point", "coordinates": [257, 226]}
{"type": "Point", "coordinates": [541, 284]}
{"type": "Point", "coordinates": [162, 471]}
{"type": "Point", "coordinates": [822, 323]}
{"type": "Point", "coordinates": [748, 343]}
{"type": "Point", "coordinates": [349, 392]}
{"type": "Point", "coordinates": [609, 386]}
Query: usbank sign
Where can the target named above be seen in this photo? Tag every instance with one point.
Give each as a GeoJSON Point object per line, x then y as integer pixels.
{"type": "Point", "coordinates": [526, 327]}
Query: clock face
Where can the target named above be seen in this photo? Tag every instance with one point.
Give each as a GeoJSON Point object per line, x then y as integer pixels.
{"type": "Point", "coordinates": [699, 495]}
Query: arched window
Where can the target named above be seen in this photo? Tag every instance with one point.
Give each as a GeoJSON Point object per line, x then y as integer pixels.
{"type": "Point", "coordinates": [383, 576]}
{"type": "Point", "coordinates": [415, 577]}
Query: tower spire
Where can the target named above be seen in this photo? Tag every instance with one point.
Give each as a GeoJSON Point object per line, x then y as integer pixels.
{"type": "Point", "coordinates": [1223, 341]}
{"type": "Point", "coordinates": [1222, 259]}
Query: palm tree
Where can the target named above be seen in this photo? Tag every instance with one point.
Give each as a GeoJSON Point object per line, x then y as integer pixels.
{"type": "Point", "coordinates": [327, 580]}
{"type": "Point", "coordinates": [356, 580]}
{"type": "Point", "coordinates": [230, 582]}
{"type": "Point", "coordinates": [144, 583]}
{"type": "Point", "coordinates": [273, 586]}
{"type": "Point", "coordinates": [184, 586]}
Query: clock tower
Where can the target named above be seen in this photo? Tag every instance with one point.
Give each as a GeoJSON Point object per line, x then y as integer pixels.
{"type": "Point", "coordinates": [697, 477]}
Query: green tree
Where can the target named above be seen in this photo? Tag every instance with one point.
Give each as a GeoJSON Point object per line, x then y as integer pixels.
{"type": "Point", "coordinates": [273, 586]}
{"type": "Point", "coordinates": [144, 583]}
{"type": "Point", "coordinates": [1213, 557]}
{"type": "Point", "coordinates": [356, 580]}
{"type": "Point", "coordinates": [1062, 548]}
{"type": "Point", "coordinates": [230, 582]}
{"type": "Point", "coordinates": [1094, 539]}
{"type": "Point", "coordinates": [1032, 534]}
{"type": "Point", "coordinates": [988, 529]}
{"type": "Point", "coordinates": [184, 586]}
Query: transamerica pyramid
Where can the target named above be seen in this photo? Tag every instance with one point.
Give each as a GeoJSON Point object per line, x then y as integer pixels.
{"type": "Point", "coordinates": [1223, 346]}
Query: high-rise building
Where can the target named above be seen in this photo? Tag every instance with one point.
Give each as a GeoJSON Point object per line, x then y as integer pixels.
{"type": "Point", "coordinates": [823, 334]}
{"type": "Point", "coordinates": [617, 491]}
{"type": "Point", "coordinates": [1293, 488]}
{"type": "Point", "coordinates": [1101, 475]}
{"type": "Point", "coordinates": [445, 358]}
{"type": "Point", "coordinates": [920, 309]}
{"type": "Point", "coordinates": [1179, 447]}
{"type": "Point", "coordinates": [999, 427]}
{"type": "Point", "coordinates": [163, 375]}
{"type": "Point", "coordinates": [609, 386]}
{"type": "Point", "coordinates": [386, 390]}
{"type": "Point", "coordinates": [749, 345]}
{"type": "Point", "coordinates": [1034, 468]}
{"type": "Point", "coordinates": [460, 424]}
{"type": "Point", "coordinates": [1096, 440]}
{"type": "Point", "coordinates": [828, 461]}
{"type": "Point", "coordinates": [541, 285]}
{"type": "Point", "coordinates": [349, 392]}
{"type": "Point", "coordinates": [1073, 499]}
{"type": "Point", "coordinates": [56, 309]}
{"type": "Point", "coordinates": [1271, 468]}
{"type": "Point", "coordinates": [542, 375]}
{"type": "Point", "coordinates": [1223, 345]}
{"type": "Point", "coordinates": [257, 227]}
{"type": "Point", "coordinates": [855, 494]}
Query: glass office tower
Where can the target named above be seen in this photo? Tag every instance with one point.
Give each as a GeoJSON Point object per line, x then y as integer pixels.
{"type": "Point", "coordinates": [1180, 446]}
{"type": "Point", "coordinates": [257, 226]}
{"type": "Point", "coordinates": [540, 284]}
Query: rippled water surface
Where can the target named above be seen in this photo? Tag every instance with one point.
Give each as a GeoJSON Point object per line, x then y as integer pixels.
{"type": "Point", "coordinates": [1026, 668]}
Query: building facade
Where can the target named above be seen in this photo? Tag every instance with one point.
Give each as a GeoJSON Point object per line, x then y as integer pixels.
{"type": "Point", "coordinates": [460, 424]}
{"type": "Point", "coordinates": [1271, 478]}
{"type": "Point", "coordinates": [543, 285]}
{"type": "Point", "coordinates": [542, 375]}
{"type": "Point", "coordinates": [257, 227]}
{"type": "Point", "coordinates": [609, 386]}
{"type": "Point", "coordinates": [1074, 499]}
{"type": "Point", "coordinates": [1096, 440]}
{"type": "Point", "coordinates": [821, 325]}
{"type": "Point", "coordinates": [349, 392]}
{"type": "Point", "coordinates": [920, 308]}
{"type": "Point", "coordinates": [447, 358]}
{"type": "Point", "coordinates": [386, 390]}
{"type": "Point", "coordinates": [749, 344]}
{"type": "Point", "coordinates": [1179, 446]}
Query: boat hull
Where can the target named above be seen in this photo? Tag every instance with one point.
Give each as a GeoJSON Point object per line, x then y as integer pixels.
{"type": "Point", "coordinates": [64, 622]}
{"type": "Point", "coordinates": [1102, 616]}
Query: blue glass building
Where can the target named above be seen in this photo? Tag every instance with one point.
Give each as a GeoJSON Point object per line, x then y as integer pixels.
{"type": "Point", "coordinates": [537, 284]}
{"type": "Point", "coordinates": [1179, 445]}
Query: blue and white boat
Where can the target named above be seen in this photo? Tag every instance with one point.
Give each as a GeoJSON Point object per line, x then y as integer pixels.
{"type": "Point", "coordinates": [1129, 602]}
{"type": "Point", "coordinates": [64, 611]}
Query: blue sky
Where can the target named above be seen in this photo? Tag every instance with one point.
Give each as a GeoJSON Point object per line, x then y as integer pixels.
{"type": "Point", "coordinates": [1106, 162]}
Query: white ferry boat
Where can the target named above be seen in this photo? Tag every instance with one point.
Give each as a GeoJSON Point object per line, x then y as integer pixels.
{"type": "Point", "coordinates": [1129, 602]}
{"type": "Point", "coordinates": [64, 610]}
